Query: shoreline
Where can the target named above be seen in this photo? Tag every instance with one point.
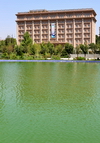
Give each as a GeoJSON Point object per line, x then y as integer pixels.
{"type": "Point", "coordinates": [63, 61]}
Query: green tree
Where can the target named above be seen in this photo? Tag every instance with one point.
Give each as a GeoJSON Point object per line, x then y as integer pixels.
{"type": "Point", "coordinates": [26, 42]}
{"type": "Point", "coordinates": [9, 44]}
{"type": "Point", "coordinates": [97, 39]}
{"type": "Point", "coordinates": [84, 48]}
{"type": "Point", "coordinates": [44, 48]}
{"type": "Point", "coordinates": [98, 47]}
{"type": "Point", "coordinates": [18, 50]}
{"type": "Point", "coordinates": [94, 48]}
{"type": "Point", "coordinates": [2, 45]}
{"type": "Point", "coordinates": [9, 49]}
{"type": "Point", "coordinates": [37, 49]}
{"type": "Point", "coordinates": [64, 53]}
{"type": "Point", "coordinates": [58, 50]}
{"type": "Point", "coordinates": [10, 41]}
{"type": "Point", "coordinates": [77, 50]}
{"type": "Point", "coordinates": [33, 50]}
{"type": "Point", "coordinates": [50, 48]}
{"type": "Point", "coordinates": [68, 49]}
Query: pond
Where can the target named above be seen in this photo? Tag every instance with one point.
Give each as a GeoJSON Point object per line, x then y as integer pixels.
{"type": "Point", "coordinates": [49, 102]}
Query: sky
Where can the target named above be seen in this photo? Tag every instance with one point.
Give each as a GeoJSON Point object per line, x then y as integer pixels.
{"type": "Point", "coordinates": [8, 9]}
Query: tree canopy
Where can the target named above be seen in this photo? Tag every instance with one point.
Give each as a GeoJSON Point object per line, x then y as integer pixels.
{"type": "Point", "coordinates": [26, 42]}
{"type": "Point", "coordinates": [84, 48]}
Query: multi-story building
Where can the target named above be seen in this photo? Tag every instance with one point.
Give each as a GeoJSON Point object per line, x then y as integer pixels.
{"type": "Point", "coordinates": [74, 26]}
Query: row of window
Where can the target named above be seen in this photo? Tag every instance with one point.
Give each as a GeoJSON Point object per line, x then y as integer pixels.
{"type": "Point", "coordinates": [59, 26]}
{"type": "Point", "coordinates": [68, 36]}
{"type": "Point", "coordinates": [61, 40]}
{"type": "Point", "coordinates": [55, 16]}
{"type": "Point", "coordinates": [77, 41]}
{"type": "Point", "coordinates": [59, 22]}
{"type": "Point", "coordinates": [59, 31]}
{"type": "Point", "coordinates": [60, 36]}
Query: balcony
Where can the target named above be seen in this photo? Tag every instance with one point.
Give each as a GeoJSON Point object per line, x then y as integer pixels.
{"type": "Point", "coordinates": [61, 28]}
{"type": "Point", "coordinates": [29, 29]}
{"type": "Point", "coordinates": [78, 21]}
{"type": "Point", "coordinates": [87, 26]}
{"type": "Point", "coordinates": [20, 34]}
{"type": "Point", "coordinates": [21, 29]}
{"type": "Point", "coordinates": [69, 32]}
{"type": "Point", "coordinates": [86, 31]}
{"type": "Point", "coordinates": [36, 38]}
{"type": "Point", "coordinates": [44, 28]}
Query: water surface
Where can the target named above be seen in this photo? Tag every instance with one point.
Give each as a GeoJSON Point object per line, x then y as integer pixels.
{"type": "Point", "coordinates": [49, 102]}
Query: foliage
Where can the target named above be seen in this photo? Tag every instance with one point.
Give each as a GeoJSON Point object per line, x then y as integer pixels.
{"type": "Point", "coordinates": [13, 56]}
{"type": "Point", "coordinates": [2, 45]}
{"type": "Point", "coordinates": [80, 58]}
{"type": "Point", "coordinates": [10, 41]}
{"type": "Point", "coordinates": [18, 50]}
{"type": "Point", "coordinates": [26, 42]}
{"type": "Point", "coordinates": [5, 56]}
{"type": "Point", "coordinates": [98, 47]}
{"type": "Point", "coordinates": [64, 53]}
{"type": "Point", "coordinates": [50, 48]}
{"type": "Point", "coordinates": [44, 48]}
{"type": "Point", "coordinates": [93, 47]}
{"type": "Point", "coordinates": [37, 49]}
{"type": "Point", "coordinates": [58, 50]}
{"type": "Point", "coordinates": [69, 48]}
{"type": "Point", "coordinates": [97, 39]}
{"type": "Point", "coordinates": [55, 57]}
{"type": "Point", "coordinates": [33, 49]}
{"type": "Point", "coordinates": [27, 56]}
{"type": "Point", "coordinates": [77, 50]}
{"type": "Point", "coordinates": [84, 49]}
{"type": "Point", "coordinates": [28, 50]}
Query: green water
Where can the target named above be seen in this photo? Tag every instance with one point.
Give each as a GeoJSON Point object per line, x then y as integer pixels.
{"type": "Point", "coordinates": [49, 103]}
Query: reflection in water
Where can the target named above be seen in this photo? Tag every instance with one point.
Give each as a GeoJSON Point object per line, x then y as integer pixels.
{"type": "Point", "coordinates": [49, 102]}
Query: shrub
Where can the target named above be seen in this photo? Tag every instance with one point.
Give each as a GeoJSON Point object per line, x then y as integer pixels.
{"type": "Point", "coordinates": [66, 56]}
{"type": "Point", "coordinates": [18, 57]}
{"type": "Point", "coordinates": [5, 56]}
{"type": "Point", "coordinates": [13, 56]}
{"type": "Point", "coordinates": [80, 58]}
{"type": "Point", "coordinates": [28, 57]}
{"type": "Point", "coordinates": [55, 58]}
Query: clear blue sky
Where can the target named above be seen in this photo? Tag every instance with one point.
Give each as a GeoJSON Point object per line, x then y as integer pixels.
{"type": "Point", "coordinates": [8, 9]}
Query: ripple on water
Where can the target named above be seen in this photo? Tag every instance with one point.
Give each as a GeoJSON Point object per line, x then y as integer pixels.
{"type": "Point", "coordinates": [49, 102]}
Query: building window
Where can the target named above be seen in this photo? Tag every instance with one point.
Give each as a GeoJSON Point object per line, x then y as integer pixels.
{"type": "Point", "coordinates": [69, 15]}
{"type": "Point", "coordinates": [87, 14]}
{"type": "Point", "coordinates": [78, 15]}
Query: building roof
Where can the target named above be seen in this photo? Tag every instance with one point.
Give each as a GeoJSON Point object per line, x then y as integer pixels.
{"type": "Point", "coordinates": [41, 11]}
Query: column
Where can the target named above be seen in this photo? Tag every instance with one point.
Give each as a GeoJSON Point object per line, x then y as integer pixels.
{"type": "Point", "coordinates": [65, 31]}
{"type": "Point", "coordinates": [17, 33]}
{"type": "Point", "coordinates": [40, 31]}
{"type": "Point", "coordinates": [33, 31]}
{"type": "Point", "coordinates": [56, 30]}
{"type": "Point", "coordinates": [25, 26]}
{"type": "Point", "coordinates": [49, 30]}
{"type": "Point", "coordinates": [92, 30]}
{"type": "Point", "coordinates": [74, 33]}
{"type": "Point", "coordinates": [82, 31]}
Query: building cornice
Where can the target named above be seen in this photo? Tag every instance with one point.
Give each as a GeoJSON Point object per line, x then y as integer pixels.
{"type": "Point", "coordinates": [35, 12]}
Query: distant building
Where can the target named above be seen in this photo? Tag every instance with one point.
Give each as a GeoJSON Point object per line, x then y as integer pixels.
{"type": "Point", "coordinates": [75, 26]}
